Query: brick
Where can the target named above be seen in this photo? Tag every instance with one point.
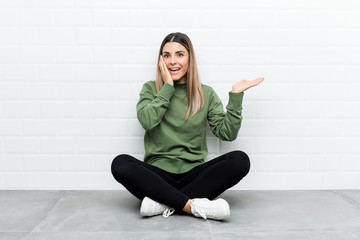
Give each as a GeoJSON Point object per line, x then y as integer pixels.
{"type": "Point", "coordinates": [20, 73]}
{"type": "Point", "coordinates": [308, 145]}
{"type": "Point", "coordinates": [36, 17]}
{"type": "Point", "coordinates": [9, 91]}
{"type": "Point", "coordinates": [10, 127]}
{"type": "Point", "coordinates": [39, 127]}
{"type": "Point", "coordinates": [102, 162]}
{"type": "Point", "coordinates": [58, 145]}
{"type": "Point", "coordinates": [112, 91]}
{"type": "Point", "coordinates": [20, 109]}
{"type": "Point", "coordinates": [20, 36]}
{"type": "Point", "coordinates": [9, 54]}
{"type": "Point", "coordinates": [114, 73]}
{"type": "Point", "coordinates": [241, 143]}
{"type": "Point", "coordinates": [100, 180]}
{"type": "Point", "coordinates": [11, 162]}
{"type": "Point", "coordinates": [54, 3]}
{"type": "Point", "coordinates": [22, 180]}
{"type": "Point", "coordinates": [118, 127]}
{"type": "Point", "coordinates": [258, 128]}
{"type": "Point", "coordinates": [283, 181]}
{"type": "Point", "coordinates": [106, 145]}
{"type": "Point", "coordinates": [323, 110]}
{"type": "Point", "coordinates": [93, 36]}
{"type": "Point", "coordinates": [75, 127]}
{"type": "Point", "coordinates": [323, 163]}
{"type": "Point", "coordinates": [73, 17]}
{"type": "Point", "coordinates": [342, 145]}
{"type": "Point", "coordinates": [74, 91]}
{"type": "Point", "coordinates": [349, 163]}
{"type": "Point", "coordinates": [325, 92]}
{"type": "Point", "coordinates": [307, 128]}
{"type": "Point", "coordinates": [40, 163]}
{"type": "Point", "coordinates": [57, 109]}
{"type": "Point", "coordinates": [106, 109]}
{"type": "Point", "coordinates": [21, 145]}
{"type": "Point", "coordinates": [125, 55]}
{"type": "Point", "coordinates": [93, 4]}
{"type": "Point", "coordinates": [338, 180]}
{"type": "Point", "coordinates": [17, 3]}
{"type": "Point", "coordinates": [57, 73]}
{"type": "Point", "coordinates": [8, 17]}
{"type": "Point", "coordinates": [255, 37]}
{"type": "Point", "coordinates": [273, 145]}
{"type": "Point", "coordinates": [58, 180]}
{"type": "Point", "coordinates": [110, 17]}
{"type": "Point", "coordinates": [40, 181]}
{"type": "Point", "coordinates": [38, 91]}
{"type": "Point", "coordinates": [56, 35]}
{"type": "Point", "coordinates": [278, 163]}
{"type": "Point", "coordinates": [84, 163]}
{"type": "Point", "coordinates": [2, 181]}
{"type": "Point", "coordinates": [74, 55]}
{"type": "Point", "coordinates": [37, 54]}
{"type": "Point", "coordinates": [351, 92]}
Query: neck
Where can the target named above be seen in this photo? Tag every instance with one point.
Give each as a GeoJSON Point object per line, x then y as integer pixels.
{"type": "Point", "coordinates": [182, 80]}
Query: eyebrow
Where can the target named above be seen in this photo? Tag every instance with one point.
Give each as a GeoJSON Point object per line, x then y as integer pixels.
{"type": "Point", "coordinates": [175, 52]}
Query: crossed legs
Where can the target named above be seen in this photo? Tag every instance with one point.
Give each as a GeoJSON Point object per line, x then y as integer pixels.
{"type": "Point", "coordinates": [208, 180]}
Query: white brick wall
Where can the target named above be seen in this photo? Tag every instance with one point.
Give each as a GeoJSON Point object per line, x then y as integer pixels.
{"type": "Point", "coordinates": [71, 72]}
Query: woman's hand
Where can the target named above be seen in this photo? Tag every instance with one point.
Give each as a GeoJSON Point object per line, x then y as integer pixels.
{"type": "Point", "coordinates": [243, 85]}
{"type": "Point", "coordinates": [165, 74]}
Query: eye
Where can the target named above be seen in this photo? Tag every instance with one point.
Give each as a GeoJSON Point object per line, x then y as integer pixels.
{"type": "Point", "coordinates": [166, 55]}
{"type": "Point", "coordinates": [180, 55]}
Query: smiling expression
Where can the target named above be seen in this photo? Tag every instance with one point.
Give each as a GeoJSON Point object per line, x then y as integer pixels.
{"type": "Point", "coordinates": [176, 58]}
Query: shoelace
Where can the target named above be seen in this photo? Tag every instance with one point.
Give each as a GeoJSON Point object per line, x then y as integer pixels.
{"type": "Point", "coordinates": [168, 212]}
{"type": "Point", "coordinates": [201, 210]}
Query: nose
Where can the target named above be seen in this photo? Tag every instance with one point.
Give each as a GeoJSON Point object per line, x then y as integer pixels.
{"type": "Point", "coordinates": [172, 60]}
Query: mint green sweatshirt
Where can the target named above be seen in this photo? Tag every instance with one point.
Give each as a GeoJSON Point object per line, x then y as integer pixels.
{"type": "Point", "coordinates": [177, 145]}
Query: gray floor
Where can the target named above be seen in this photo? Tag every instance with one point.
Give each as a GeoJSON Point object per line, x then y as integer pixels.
{"type": "Point", "coordinates": [109, 215]}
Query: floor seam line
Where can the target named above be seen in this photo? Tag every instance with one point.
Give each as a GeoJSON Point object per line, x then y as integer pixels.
{"type": "Point", "coordinates": [212, 236]}
{"type": "Point", "coordinates": [347, 198]}
{"type": "Point", "coordinates": [50, 211]}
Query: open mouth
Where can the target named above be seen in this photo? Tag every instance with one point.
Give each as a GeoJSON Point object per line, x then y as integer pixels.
{"type": "Point", "coordinates": [174, 70]}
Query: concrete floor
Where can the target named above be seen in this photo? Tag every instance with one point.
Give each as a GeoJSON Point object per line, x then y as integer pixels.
{"type": "Point", "coordinates": [114, 215]}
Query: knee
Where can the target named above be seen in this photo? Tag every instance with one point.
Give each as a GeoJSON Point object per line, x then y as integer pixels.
{"type": "Point", "coordinates": [241, 162]}
{"type": "Point", "coordinates": [118, 164]}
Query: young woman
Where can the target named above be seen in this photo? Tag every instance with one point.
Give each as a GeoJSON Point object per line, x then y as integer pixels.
{"type": "Point", "coordinates": [174, 110]}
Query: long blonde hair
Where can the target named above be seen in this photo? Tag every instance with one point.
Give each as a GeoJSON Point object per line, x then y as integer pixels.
{"type": "Point", "coordinates": [194, 92]}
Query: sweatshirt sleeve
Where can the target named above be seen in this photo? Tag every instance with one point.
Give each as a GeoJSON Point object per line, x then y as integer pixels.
{"type": "Point", "coordinates": [225, 125]}
{"type": "Point", "coordinates": [151, 107]}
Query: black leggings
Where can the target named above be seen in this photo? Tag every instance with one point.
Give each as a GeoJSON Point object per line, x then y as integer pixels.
{"type": "Point", "coordinates": [207, 180]}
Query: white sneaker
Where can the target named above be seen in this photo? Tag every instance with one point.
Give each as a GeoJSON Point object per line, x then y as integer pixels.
{"type": "Point", "coordinates": [151, 208]}
{"type": "Point", "coordinates": [217, 209]}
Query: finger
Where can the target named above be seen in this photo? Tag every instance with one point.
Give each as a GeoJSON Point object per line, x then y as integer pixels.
{"type": "Point", "coordinates": [258, 80]}
{"type": "Point", "coordinates": [160, 62]}
{"type": "Point", "coordinates": [162, 65]}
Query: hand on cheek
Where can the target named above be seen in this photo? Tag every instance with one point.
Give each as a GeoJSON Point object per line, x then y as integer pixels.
{"type": "Point", "coordinates": [165, 74]}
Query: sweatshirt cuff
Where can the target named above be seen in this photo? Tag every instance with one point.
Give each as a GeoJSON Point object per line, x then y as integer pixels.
{"type": "Point", "coordinates": [235, 101]}
{"type": "Point", "coordinates": [167, 91]}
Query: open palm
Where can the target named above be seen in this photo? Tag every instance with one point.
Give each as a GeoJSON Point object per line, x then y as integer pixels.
{"type": "Point", "coordinates": [243, 85]}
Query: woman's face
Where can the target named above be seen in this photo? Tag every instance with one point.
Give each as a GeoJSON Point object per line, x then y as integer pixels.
{"type": "Point", "coordinates": [176, 58]}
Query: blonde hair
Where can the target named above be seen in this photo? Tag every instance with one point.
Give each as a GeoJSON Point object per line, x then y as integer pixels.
{"type": "Point", "coordinates": [194, 92]}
